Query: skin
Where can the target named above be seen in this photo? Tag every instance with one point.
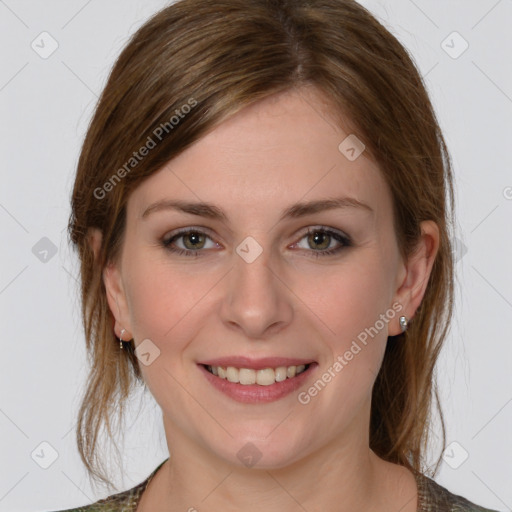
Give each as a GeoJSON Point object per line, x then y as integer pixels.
{"type": "Point", "coordinates": [270, 155]}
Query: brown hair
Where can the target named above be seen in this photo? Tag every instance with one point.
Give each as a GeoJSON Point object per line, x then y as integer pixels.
{"type": "Point", "coordinates": [217, 56]}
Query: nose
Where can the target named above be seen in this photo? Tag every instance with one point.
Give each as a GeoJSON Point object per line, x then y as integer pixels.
{"type": "Point", "coordinates": [257, 300]}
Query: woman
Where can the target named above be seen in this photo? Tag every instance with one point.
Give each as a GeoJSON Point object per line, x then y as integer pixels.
{"type": "Point", "coordinates": [262, 211]}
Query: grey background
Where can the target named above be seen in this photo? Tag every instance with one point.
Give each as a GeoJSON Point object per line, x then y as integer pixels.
{"type": "Point", "coordinates": [45, 106]}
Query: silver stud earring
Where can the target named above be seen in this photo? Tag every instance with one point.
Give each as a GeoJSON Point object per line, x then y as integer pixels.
{"type": "Point", "coordinates": [121, 339]}
{"type": "Point", "coordinates": [403, 323]}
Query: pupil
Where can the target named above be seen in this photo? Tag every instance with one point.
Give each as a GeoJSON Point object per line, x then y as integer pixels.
{"type": "Point", "coordinates": [317, 237]}
{"type": "Point", "coordinates": [194, 238]}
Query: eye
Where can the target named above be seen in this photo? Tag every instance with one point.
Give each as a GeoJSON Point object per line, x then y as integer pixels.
{"type": "Point", "coordinates": [323, 238]}
{"type": "Point", "coordinates": [193, 240]}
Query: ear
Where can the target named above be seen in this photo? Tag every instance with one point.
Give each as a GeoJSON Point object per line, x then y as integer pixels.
{"type": "Point", "coordinates": [116, 296]}
{"type": "Point", "coordinates": [417, 273]}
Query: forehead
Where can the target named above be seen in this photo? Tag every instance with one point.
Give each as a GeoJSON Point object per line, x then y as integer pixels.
{"type": "Point", "coordinates": [278, 151]}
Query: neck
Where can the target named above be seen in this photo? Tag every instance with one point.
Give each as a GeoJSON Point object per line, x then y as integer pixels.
{"type": "Point", "coordinates": [348, 475]}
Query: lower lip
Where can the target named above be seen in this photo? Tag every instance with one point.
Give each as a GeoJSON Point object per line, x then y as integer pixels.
{"type": "Point", "coordinates": [255, 393]}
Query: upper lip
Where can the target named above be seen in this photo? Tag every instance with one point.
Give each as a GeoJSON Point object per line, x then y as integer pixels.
{"type": "Point", "coordinates": [256, 364]}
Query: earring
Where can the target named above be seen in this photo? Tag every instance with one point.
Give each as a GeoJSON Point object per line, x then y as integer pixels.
{"type": "Point", "coordinates": [121, 339]}
{"type": "Point", "coordinates": [403, 323]}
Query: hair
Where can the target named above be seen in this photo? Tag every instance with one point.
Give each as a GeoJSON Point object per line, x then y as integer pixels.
{"type": "Point", "coordinates": [196, 63]}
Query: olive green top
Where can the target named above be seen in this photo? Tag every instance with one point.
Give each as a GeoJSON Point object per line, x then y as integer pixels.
{"type": "Point", "coordinates": [432, 497]}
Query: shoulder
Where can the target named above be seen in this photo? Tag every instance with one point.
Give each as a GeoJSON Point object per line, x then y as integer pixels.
{"type": "Point", "coordinates": [434, 497]}
{"type": "Point", "coordinates": [125, 501]}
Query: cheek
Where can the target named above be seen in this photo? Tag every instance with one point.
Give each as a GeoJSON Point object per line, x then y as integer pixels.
{"type": "Point", "coordinates": [351, 307]}
{"type": "Point", "coordinates": [352, 303]}
{"type": "Point", "coordinates": [165, 301]}
{"type": "Point", "coordinates": [167, 305]}
{"type": "Point", "coordinates": [349, 299]}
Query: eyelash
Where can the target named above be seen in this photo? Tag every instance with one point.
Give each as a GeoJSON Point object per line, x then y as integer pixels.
{"type": "Point", "coordinates": [343, 239]}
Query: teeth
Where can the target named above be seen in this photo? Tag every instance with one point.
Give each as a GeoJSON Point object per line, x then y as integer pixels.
{"type": "Point", "coordinates": [248, 376]}
{"type": "Point", "coordinates": [232, 374]}
{"type": "Point", "coordinates": [265, 377]}
{"type": "Point", "coordinates": [280, 373]}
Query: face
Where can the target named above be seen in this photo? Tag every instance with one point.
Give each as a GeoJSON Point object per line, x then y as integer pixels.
{"type": "Point", "coordinates": [255, 276]}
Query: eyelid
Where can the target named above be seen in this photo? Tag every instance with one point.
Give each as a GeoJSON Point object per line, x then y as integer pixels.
{"type": "Point", "coordinates": [208, 231]}
{"type": "Point", "coordinates": [321, 227]}
{"type": "Point", "coordinates": [188, 229]}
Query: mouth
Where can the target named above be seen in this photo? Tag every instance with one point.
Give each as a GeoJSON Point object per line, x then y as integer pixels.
{"type": "Point", "coordinates": [261, 377]}
{"type": "Point", "coordinates": [265, 381]}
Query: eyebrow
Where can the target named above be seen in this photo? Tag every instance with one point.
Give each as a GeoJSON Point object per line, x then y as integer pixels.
{"type": "Point", "coordinates": [295, 211]}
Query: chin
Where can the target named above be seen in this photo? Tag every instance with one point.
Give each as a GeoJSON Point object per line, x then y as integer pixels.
{"type": "Point", "coordinates": [274, 452]}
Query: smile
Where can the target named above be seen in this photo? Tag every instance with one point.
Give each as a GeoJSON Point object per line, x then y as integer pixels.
{"type": "Point", "coordinates": [261, 385]}
{"type": "Point", "coordinates": [263, 377]}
